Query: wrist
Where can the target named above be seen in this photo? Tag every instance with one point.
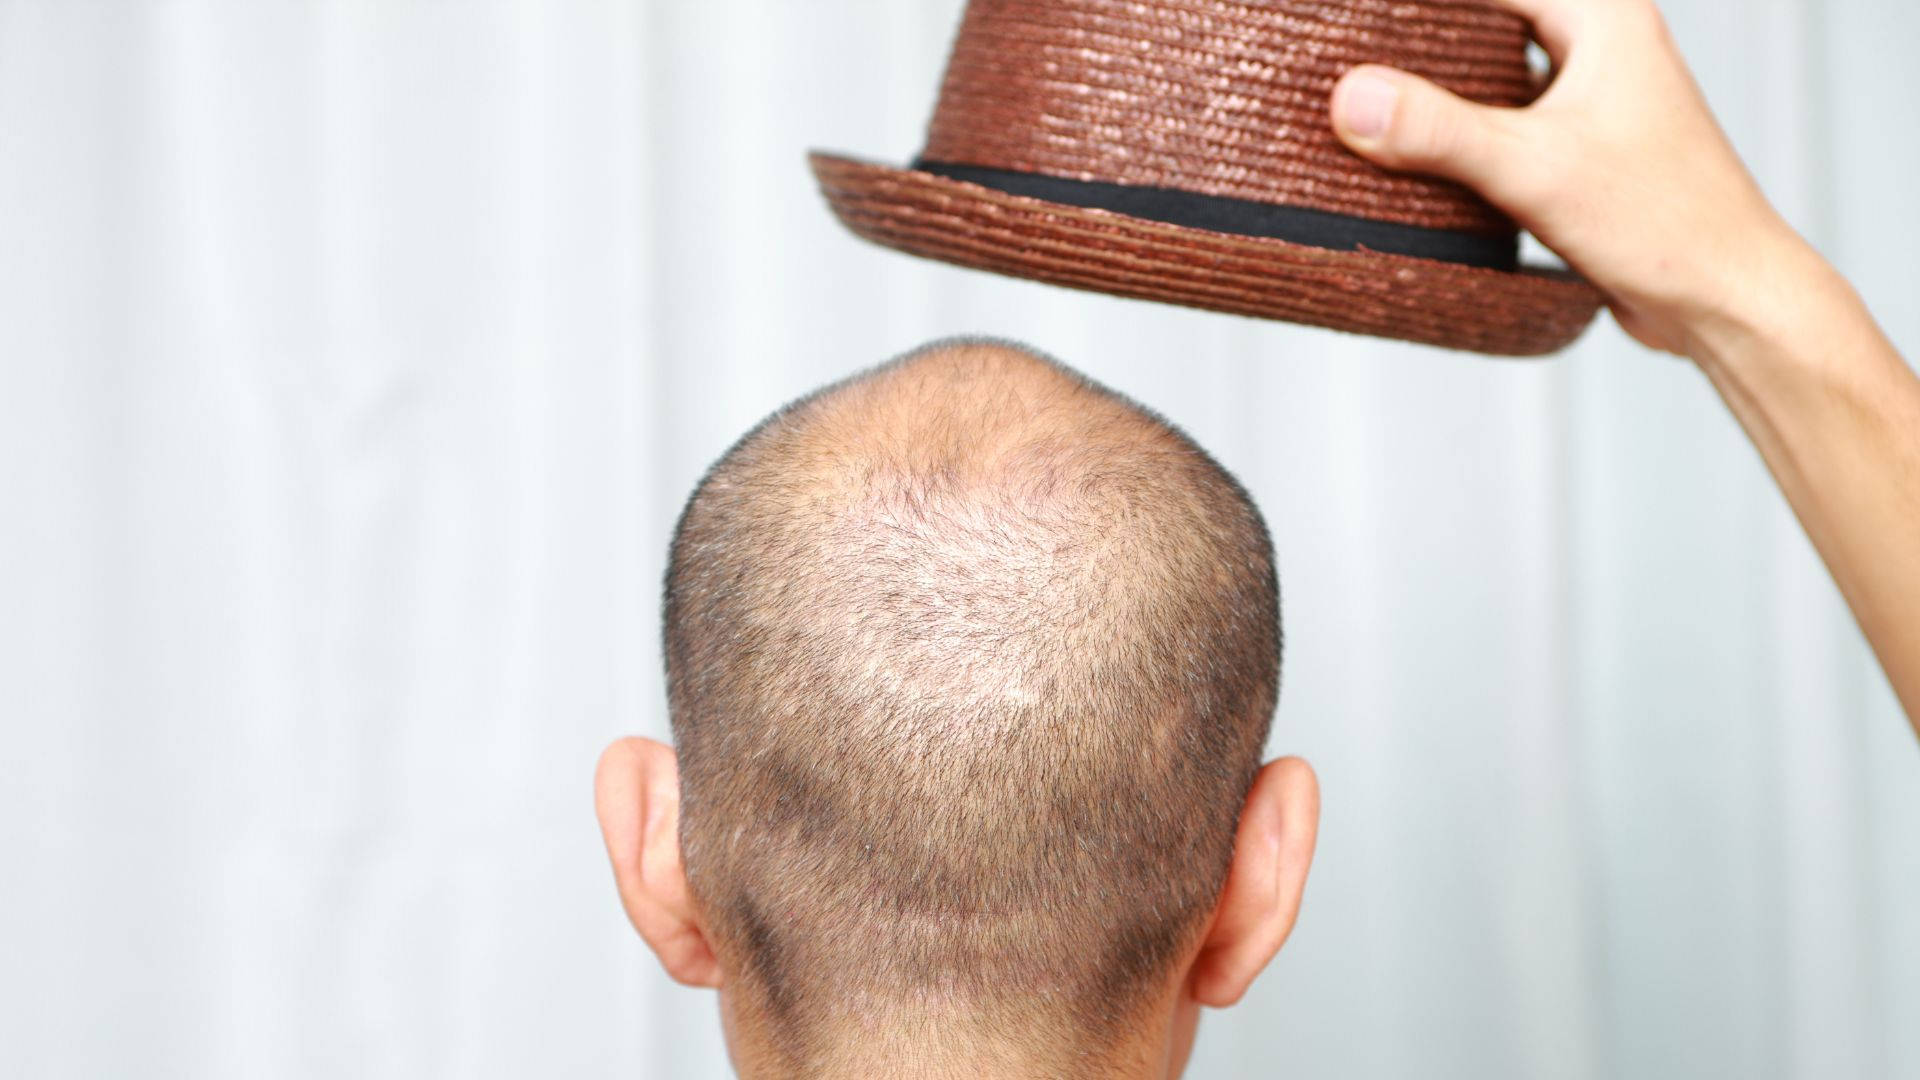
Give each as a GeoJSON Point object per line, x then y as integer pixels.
{"type": "Point", "coordinates": [1769, 312]}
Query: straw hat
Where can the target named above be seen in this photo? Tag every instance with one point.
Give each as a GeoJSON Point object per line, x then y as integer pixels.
{"type": "Point", "coordinates": [1180, 150]}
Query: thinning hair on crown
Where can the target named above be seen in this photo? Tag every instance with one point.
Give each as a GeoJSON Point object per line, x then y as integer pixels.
{"type": "Point", "coordinates": [970, 664]}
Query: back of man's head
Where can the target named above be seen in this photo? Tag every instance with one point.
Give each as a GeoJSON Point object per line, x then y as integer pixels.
{"type": "Point", "coordinates": [970, 664]}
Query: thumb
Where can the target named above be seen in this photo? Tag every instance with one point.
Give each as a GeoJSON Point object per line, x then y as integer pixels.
{"type": "Point", "coordinates": [1403, 122]}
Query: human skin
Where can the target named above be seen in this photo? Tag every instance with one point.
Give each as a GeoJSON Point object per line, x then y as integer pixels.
{"type": "Point", "coordinates": [637, 799]}
{"type": "Point", "coordinates": [1621, 169]}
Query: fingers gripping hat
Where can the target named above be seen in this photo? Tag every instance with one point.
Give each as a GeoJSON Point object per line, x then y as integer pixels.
{"type": "Point", "coordinates": [1181, 151]}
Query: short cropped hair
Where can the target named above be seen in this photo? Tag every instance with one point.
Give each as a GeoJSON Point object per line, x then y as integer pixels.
{"type": "Point", "coordinates": [970, 665]}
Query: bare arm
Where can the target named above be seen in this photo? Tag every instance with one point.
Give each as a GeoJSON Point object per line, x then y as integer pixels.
{"type": "Point", "coordinates": [1836, 413]}
{"type": "Point", "coordinates": [1621, 168]}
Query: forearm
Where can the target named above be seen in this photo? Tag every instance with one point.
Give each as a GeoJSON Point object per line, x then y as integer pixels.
{"type": "Point", "coordinates": [1621, 168]}
{"type": "Point", "coordinates": [1835, 412]}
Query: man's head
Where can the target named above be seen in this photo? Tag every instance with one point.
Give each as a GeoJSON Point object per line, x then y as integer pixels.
{"type": "Point", "coordinates": [970, 663]}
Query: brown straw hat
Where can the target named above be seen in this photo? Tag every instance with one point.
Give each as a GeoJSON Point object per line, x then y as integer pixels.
{"type": "Point", "coordinates": [1180, 150]}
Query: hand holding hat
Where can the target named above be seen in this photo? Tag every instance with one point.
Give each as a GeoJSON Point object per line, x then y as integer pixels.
{"type": "Point", "coordinates": [1619, 167]}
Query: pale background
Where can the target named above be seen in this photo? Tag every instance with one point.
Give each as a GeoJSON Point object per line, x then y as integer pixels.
{"type": "Point", "coordinates": [355, 359]}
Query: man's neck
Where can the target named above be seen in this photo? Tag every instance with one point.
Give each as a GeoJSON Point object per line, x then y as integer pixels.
{"type": "Point", "coordinates": [931, 1050]}
{"type": "Point", "coordinates": [953, 1063]}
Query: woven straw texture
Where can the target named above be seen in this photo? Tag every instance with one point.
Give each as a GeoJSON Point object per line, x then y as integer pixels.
{"type": "Point", "coordinates": [1226, 99]}
{"type": "Point", "coordinates": [1523, 314]}
{"type": "Point", "coordinates": [1216, 97]}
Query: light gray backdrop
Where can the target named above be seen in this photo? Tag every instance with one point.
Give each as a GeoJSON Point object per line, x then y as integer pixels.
{"type": "Point", "coordinates": [355, 359]}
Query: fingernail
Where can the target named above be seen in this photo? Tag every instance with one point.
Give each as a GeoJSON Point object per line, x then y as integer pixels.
{"type": "Point", "coordinates": [1366, 105]}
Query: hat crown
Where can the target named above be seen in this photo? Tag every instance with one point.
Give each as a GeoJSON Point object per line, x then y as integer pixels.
{"type": "Point", "coordinates": [1215, 97]}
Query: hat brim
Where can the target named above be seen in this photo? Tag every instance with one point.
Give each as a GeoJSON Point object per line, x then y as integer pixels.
{"type": "Point", "coordinates": [1529, 312]}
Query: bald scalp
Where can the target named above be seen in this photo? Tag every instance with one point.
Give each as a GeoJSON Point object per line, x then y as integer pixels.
{"type": "Point", "coordinates": [970, 663]}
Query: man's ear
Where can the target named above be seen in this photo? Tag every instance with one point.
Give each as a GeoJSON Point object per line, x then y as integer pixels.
{"type": "Point", "coordinates": [1261, 899]}
{"type": "Point", "coordinates": [636, 794]}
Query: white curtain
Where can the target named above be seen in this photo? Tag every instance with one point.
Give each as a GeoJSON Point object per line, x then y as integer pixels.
{"type": "Point", "coordinates": [355, 359]}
